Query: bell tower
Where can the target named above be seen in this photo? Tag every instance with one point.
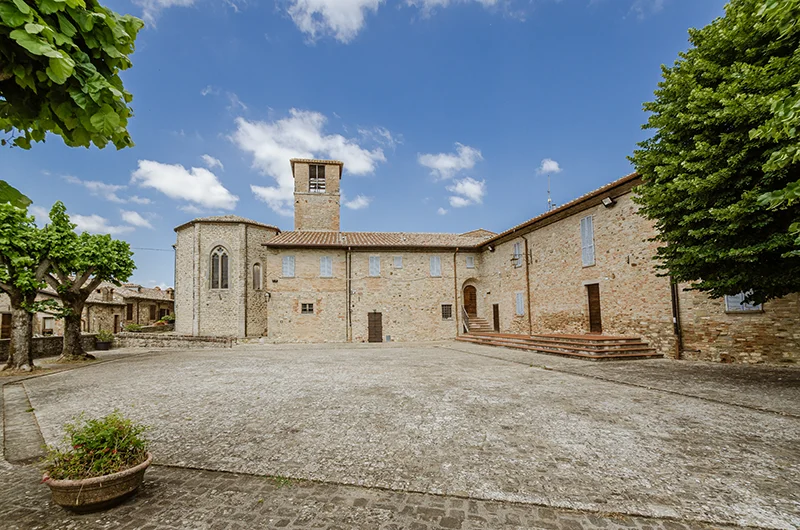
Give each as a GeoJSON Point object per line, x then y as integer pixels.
{"type": "Point", "coordinates": [316, 194]}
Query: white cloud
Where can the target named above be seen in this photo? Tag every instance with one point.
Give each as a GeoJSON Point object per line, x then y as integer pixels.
{"type": "Point", "coordinates": [135, 219]}
{"type": "Point", "coordinates": [381, 136]}
{"type": "Point", "coordinates": [191, 208]}
{"type": "Point", "coordinates": [151, 8]}
{"type": "Point", "coordinates": [644, 8]}
{"type": "Point", "coordinates": [41, 215]}
{"type": "Point", "coordinates": [548, 166]}
{"type": "Point", "coordinates": [209, 89]}
{"type": "Point", "coordinates": [360, 202]}
{"type": "Point", "coordinates": [196, 185]}
{"type": "Point", "coordinates": [139, 200]}
{"type": "Point", "coordinates": [99, 189]}
{"type": "Point", "coordinates": [446, 165]}
{"type": "Point", "coordinates": [428, 6]}
{"type": "Point", "coordinates": [97, 225]}
{"type": "Point", "coordinates": [467, 191]}
{"type": "Point", "coordinates": [153, 284]}
{"type": "Point", "coordinates": [212, 162]}
{"type": "Point", "coordinates": [341, 19]}
{"type": "Point", "coordinates": [300, 135]}
{"type": "Point", "coordinates": [441, 211]}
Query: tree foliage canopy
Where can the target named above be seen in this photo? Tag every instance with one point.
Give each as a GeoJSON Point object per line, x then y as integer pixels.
{"type": "Point", "coordinates": [22, 254]}
{"type": "Point", "coordinates": [59, 72]}
{"type": "Point", "coordinates": [721, 141]}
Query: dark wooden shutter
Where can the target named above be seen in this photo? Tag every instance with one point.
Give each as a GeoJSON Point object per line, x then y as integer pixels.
{"type": "Point", "coordinates": [128, 311]}
{"type": "Point", "coordinates": [5, 328]}
{"type": "Point", "coordinates": [375, 327]}
{"type": "Point", "coordinates": [595, 322]}
{"type": "Point", "coordinates": [496, 317]}
{"type": "Point", "coordinates": [152, 312]}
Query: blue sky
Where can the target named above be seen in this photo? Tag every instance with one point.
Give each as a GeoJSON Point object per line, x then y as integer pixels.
{"type": "Point", "coordinates": [447, 114]}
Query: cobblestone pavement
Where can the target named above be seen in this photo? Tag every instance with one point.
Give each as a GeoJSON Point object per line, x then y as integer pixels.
{"type": "Point", "coordinates": [453, 422]}
{"type": "Point", "coordinates": [194, 499]}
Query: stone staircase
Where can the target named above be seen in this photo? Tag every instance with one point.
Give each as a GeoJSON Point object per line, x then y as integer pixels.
{"type": "Point", "coordinates": [588, 347]}
{"type": "Point", "coordinates": [479, 325]}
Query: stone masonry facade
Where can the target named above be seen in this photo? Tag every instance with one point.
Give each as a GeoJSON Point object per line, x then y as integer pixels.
{"type": "Point", "coordinates": [585, 266]}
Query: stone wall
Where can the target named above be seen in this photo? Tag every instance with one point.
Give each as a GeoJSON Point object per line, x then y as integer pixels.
{"type": "Point", "coordinates": [170, 341]}
{"type": "Point", "coordinates": [712, 334]}
{"type": "Point", "coordinates": [185, 278]}
{"type": "Point", "coordinates": [498, 282]}
{"type": "Point", "coordinates": [98, 316]}
{"type": "Point", "coordinates": [46, 346]}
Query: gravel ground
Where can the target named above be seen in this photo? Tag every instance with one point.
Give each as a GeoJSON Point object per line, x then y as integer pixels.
{"type": "Point", "coordinates": [430, 419]}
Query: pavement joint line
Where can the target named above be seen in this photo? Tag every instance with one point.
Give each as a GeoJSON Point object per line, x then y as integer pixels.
{"type": "Point", "coordinates": [626, 383]}
{"type": "Point", "coordinates": [598, 513]}
{"type": "Point", "coordinates": [32, 436]}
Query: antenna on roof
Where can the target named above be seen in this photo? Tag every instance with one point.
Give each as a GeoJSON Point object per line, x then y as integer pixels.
{"type": "Point", "coordinates": [550, 204]}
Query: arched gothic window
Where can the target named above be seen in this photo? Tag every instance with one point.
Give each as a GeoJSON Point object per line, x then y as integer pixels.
{"type": "Point", "coordinates": [219, 268]}
{"type": "Point", "coordinates": [257, 277]}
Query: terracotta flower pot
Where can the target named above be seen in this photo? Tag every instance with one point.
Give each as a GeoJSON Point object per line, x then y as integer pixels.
{"type": "Point", "coordinates": [97, 493]}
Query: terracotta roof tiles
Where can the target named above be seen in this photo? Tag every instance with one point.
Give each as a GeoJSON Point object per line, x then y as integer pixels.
{"type": "Point", "coordinates": [374, 240]}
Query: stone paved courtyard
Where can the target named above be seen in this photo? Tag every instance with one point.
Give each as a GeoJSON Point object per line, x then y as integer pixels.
{"type": "Point", "coordinates": [438, 427]}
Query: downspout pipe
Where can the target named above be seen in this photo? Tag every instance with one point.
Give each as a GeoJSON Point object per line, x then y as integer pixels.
{"type": "Point", "coordinates": [528, 286]}
{"type": "Point", "coordinates": [676, 316]}
{"type": "Point", "coordinates": [456, 305]}
{"type": "Point", "coordinates": [348, 297]}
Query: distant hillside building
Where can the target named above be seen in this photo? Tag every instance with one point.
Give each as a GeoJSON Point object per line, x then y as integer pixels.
{"type": "Point", "coordinates": [585, 267]}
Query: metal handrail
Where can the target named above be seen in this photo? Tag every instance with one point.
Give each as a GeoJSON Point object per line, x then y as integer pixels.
{"type": "Point", "coordinates": [465, 319]}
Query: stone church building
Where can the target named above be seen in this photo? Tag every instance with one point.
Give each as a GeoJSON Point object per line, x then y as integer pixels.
{"type": "Point", "coordinates": [585, 267]}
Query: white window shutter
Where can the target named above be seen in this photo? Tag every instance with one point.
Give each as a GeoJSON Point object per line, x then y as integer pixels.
{"type": "Point", "coordinates": [326, 267]}
{"type": "Point", "coordinates": [520, 304]}
{"type": "Point", "coordinates": [518, 254]}
{"type": "Point", "coordinates": [374, 266]}
{"type": "Point", "coordinates": [398, 262]}
{"type": "Point", "coordinates": [587, 241]}
{"type": "Point", "coordinates": [436, 266]}
{"type": "Point", "coordinates": [470, 262]}
{"type": "Point", "coordinates": [288, 267]}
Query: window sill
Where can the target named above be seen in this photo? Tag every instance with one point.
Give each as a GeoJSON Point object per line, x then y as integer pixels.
{"type": "Point", "coordinates": [587, 266]}
{"type": "Point", "coordinates": [752, 312]}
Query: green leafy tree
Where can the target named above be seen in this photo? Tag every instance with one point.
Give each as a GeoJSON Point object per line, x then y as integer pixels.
{"type": "Point", "coordinates": [783, 126]}
{"type": "Point", "coordinates": [23, 263]}
{"type": "Point", "coordinates": [59, 72]}
{"type": "Point", "coordinates": [78, 265]}
{"type": "Point", "coordinates": [703, 171]}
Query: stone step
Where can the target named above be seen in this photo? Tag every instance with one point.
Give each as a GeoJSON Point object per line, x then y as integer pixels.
{"type": "Point", "coordinates": [568, 344]}
{"type": "Point", "coordinates": [522, 342]}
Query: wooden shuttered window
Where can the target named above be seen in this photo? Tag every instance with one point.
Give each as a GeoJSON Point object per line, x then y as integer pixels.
{"type": "Point", "coordinates": [326, 267]}
{"type": "Point", "coordinates": [520, 303]}
{"type": "Point", "coordinates": [398, 262]}
{"type": "Point", "coordinates": [257, 279]}
{"type": "Point", "coordinates": [470, 262]}
{"type": "Point", "coordinates": [517, 254]}
{"type": "Point", "coordinates": [152, 312]}
{"type": "Point", "coordinates": [128, 311]}
{"type": "Point", "coordinates": [735, 304]}
{"type": "Point", "coordinates": [374, 265]}
{"type": "Point", "coordinates": [436, 266]}
{"type": "Point", "coordinates": [316, 178]}
{"type": "Point", "coordinates": [287, 267]}
{"type": "Point", "coordinates": [587, 241]}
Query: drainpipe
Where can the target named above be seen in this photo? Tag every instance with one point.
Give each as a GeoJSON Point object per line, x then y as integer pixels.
{"type": "Point", "coordinates": [456, 305]}
{"type": "Point", "coordinates": [528, 286]}
{"type": "Point", "coordinates": [676, 316]}
{"type": "Point", "coordinates": [246, 265]}
{"type": "Point", "coordinates": [348, 273]}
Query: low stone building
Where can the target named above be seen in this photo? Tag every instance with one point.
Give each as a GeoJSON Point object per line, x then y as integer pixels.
{"type": "Point", "coordinates": [585, 267]}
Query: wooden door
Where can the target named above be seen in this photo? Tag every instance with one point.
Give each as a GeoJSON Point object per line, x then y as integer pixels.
{"type": "Point", "coordinates": [471, 300]}
{"type": "Point", "coordinates": [375, 327]}
{"type": "Point", "coordinates": [5, 328]}
{"type": "Point", "coordinates": [496, 317]}
{"type": "Point", "coordinates": [595, 322]}
{"type": "Point", "coordinates": [116, 323]}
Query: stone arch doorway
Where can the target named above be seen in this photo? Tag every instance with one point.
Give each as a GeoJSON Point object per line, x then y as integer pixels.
{"type": "Point", "coordinates": [471, 301]}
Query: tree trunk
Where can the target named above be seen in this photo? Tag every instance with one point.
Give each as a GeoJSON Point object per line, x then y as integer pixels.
{"type": "Point", "coordinates": [73, 346]}
{"type": "Point", "coordinates": [19, 352]}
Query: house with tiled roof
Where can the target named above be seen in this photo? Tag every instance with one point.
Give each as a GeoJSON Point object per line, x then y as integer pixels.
{"type": "Point", "coordinates": [584, 269]}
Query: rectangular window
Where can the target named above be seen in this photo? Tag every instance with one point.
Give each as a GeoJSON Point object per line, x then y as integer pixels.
{"type": "Point", "coordinates": [316, 178]}
{"type": "Point", "coordinates": [215, 271]}
{"type": "Point", "coordinates": [128, 311]}
{"type": "Point", "coordinates": [447, 311]}
{"type": "Point", "coordinates": [517, 254]}
{"type": "Point", "coordinates": [152, 312]}
{"type": "Point", "coordinates": [48, 325]}
{"type": "Point", "coordinates": [287, 269]}
{"type": "Point", "coordinates": [520, 303]}
{"type": "Point", "coordinates": [436, 266]}
{"type": "Point", "coordinates": [325, 267]}
{"type": "Point", "coordinates": [223, 281]}
{"type": "Point", "coordinates": [736, 304]}
{"type": "Point", "coordinates": [587, 241]}
{"type": "Point", "coordinates": [374, 265]}
{"type": "Point", "coordinates": [307, 309]}
{"type": "Point", "coordinates": [470, 262]}
{"type": "Point", "coordinates": [398, 262]}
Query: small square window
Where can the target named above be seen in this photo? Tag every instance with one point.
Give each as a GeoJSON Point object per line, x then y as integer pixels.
{"type": "Point", "coordinates": [470, 262]}
{"type": "Point", "coordinates": [447, 311]}
{"type": "Point", "coordinates": [307, 309]}
{"type": "Point", "coordinates": [398, 262]}
{"type": "Point", "coordinates": [736, 304]}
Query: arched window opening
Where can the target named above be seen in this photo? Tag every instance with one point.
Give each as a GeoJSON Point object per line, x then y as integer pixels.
{"type": "Point", "coordinates": [219, 268]}
{"type": "Point", "coordinates": [257, 276]}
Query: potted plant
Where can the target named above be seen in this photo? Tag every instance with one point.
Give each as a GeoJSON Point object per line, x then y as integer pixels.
{"type": "Point", "coordinates": [104, 340]}
{"type": "Point", "coordinates": [103, 465]}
